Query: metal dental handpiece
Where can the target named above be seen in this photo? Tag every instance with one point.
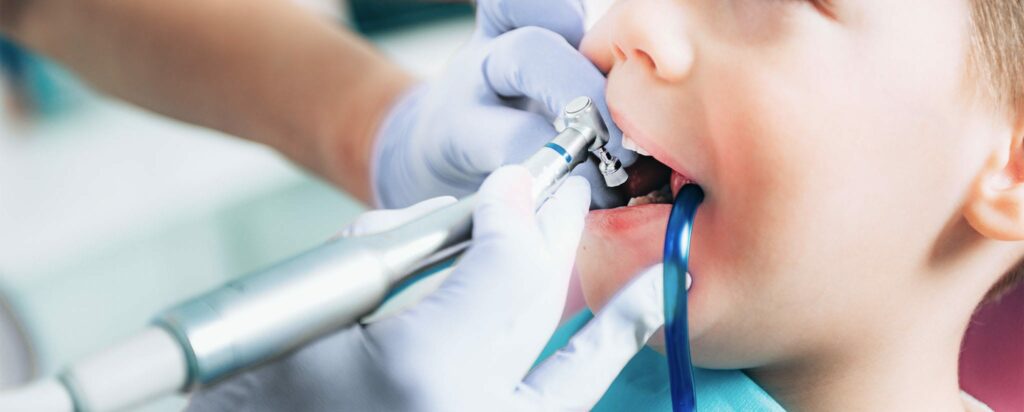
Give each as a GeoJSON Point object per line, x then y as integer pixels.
{"type": "Point", "coordinates": [263, 315]}
{"type": "Point", "coordinates": [260, 316]}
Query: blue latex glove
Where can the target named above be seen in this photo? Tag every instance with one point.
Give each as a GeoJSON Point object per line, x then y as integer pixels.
{"type": "Point", "coordinates": [445, 136]}
{"type": "Point", "coordinates": [470, 345]}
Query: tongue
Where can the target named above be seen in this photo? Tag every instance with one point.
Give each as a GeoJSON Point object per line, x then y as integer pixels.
{"type": "Point", "coordinates": [677, 182]}
{"type": "Point", "coordinates": [645, 176]}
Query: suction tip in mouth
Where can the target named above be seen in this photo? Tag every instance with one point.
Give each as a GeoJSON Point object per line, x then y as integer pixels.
{"type": "Point", "coordinates": [652, 182]}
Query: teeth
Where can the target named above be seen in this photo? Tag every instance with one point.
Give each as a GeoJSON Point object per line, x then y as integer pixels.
{"type": "Point", "coordinates": [663, 196]}
{"type": "Point", "coordinates": [629, 144]}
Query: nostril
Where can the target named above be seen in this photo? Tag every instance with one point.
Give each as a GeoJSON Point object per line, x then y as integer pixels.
{"type": "Point", "coordinates": [637, 54]}
{"type": "Point", "coordinates": [671, 66]}
{"type": "Point", "coordinates": [645, 59]}
{"type": "Point", "coordinates": [619, 54]}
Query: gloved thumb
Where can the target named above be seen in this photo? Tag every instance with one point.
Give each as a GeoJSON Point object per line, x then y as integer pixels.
{"type": "Point", "coordinates": [575, 377]}
{"type": "Point", "coordinates": [497, 271]}
{"type": "Point", "coordinates": [504, 206]}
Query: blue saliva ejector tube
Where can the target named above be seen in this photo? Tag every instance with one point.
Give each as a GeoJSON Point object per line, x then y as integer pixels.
{"type": "Point", "coordinates": [676, 263]}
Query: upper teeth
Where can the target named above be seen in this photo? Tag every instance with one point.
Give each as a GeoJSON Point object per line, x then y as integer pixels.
{"type": "Point", "coordinates": [629, 144]}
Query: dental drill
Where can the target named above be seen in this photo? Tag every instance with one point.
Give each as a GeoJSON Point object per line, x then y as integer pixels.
{"type": "Point", "coordinates": [261, 316]}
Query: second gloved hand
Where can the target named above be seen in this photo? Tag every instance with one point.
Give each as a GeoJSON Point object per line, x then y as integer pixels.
{"type": "Point", "coordinates": [446, 135]}
{"type": "Point", "coordinates": [472, 344]}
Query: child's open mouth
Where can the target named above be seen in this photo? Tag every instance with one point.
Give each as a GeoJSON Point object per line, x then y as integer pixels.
{"type": "Point", "coordinates": [651, 182]}
{"type": "Point", "coordinates": [638, 229]}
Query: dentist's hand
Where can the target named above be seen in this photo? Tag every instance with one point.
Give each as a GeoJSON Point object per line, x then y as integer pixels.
{"type": "Point", "coordinates": [472, 343]}
{"type": "Point", "coordinates": [446, 135]}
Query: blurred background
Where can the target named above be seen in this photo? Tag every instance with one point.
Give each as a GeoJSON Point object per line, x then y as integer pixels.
{"type": "Point", "coordinates": [109, 214]}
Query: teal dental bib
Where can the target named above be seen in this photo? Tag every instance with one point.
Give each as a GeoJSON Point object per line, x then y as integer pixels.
{"type": "Point", "coordinates": [643, 385]}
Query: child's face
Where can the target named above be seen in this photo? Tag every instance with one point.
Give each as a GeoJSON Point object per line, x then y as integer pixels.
{"type": "Point", "coordinates": [835, 146]}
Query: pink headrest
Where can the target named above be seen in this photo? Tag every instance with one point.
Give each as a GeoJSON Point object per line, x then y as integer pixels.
{"type": "Point", "coordinates": [992, 361]}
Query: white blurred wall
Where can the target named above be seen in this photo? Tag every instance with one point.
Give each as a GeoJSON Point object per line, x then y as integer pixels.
{"type": "Point", "coordinates": [334, 9]}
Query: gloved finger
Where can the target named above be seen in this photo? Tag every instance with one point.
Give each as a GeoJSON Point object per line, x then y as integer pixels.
{"type": "Point", "coordinates": [564, 17]}
{"type": "Point", "coordinates": [509, 137]}
{"type": "Point", "coordinates": [497, 272]}
{"type": "Point", "coordinates": [491, 298]}
{"type": "Point", "coordinates": [575, 377]}
{"type": "Point", "coordinates": [561, 221]}
{"type": "Point", "coordinates": [539, 266]}
{"type": "Point", "coordinates": [505, 208]}
{"type": "Point", "coordinates": [561, 224]}
{"type": "Point", "coordinates": [538, 64]}
{"type": "Point", "coordinates": [501, 273]}
{"type": "Point", "coordinates": [377, 221]}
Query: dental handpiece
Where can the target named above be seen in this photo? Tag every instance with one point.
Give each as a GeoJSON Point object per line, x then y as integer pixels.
{"type": "Point", "coordinates": [263, 315]}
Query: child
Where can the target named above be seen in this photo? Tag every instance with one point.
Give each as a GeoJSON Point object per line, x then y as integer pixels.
{"type": "Point", "coordinates": [864, 175]}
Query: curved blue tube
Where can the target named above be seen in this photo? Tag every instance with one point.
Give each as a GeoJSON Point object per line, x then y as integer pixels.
{"type": "Point", "coordinates": [676, 260]}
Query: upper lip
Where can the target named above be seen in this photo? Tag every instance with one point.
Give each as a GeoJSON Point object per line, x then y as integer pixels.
{"type": "Point", "coordinates": [637, 135]}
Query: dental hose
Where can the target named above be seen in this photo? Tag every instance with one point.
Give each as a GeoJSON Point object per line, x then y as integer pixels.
{"type": "Point", "coordinates": [676, 265]}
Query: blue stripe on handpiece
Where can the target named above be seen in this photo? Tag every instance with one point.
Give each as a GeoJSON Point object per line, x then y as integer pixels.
{"type": "Point", "coordinates": [561, 151]}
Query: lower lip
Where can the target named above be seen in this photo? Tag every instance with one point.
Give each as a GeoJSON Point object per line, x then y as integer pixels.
{"type": "Point", "coordinates": [618, 243]}
{"type": "Point", "coordinates": [626, 221]}
{"type": "Point", "coordinates": [622, 220]}
{"type": "Point", "coordinates": [638, 232]}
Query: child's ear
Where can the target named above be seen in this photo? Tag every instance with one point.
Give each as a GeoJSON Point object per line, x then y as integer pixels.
{"type": "Point", "coordinates": [995, 207]}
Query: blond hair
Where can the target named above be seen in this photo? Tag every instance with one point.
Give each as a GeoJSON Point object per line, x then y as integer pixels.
{"type": "Point", "coordinates": [997, 56]}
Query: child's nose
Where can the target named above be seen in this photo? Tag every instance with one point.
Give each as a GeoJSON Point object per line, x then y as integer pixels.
{"type": "Point", "coordinates": [652, 33]}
